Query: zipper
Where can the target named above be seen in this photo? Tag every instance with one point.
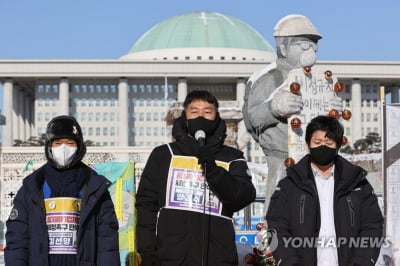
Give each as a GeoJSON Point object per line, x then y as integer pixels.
{"type": "Point", "coordinates": [351, 210]}
{"type": "Point", "coordinates": [158, 215]}
{"type": "Point", "coordinates": [302, 203]}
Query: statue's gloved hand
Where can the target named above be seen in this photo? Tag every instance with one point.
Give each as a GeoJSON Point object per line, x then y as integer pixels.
{"type": "Point", "coordinates": [284, 104]}
{"type": "Point", "coordinates": [336, 103]}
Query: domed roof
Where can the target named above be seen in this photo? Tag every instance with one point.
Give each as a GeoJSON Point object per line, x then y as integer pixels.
{"type": "Point", "coordinates": [199, 30]}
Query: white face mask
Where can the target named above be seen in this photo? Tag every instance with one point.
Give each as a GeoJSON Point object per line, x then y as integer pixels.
{"type": "Point", "coordinates": [308, 58]}
{"type": "Point", "coordinates": [63, 154]}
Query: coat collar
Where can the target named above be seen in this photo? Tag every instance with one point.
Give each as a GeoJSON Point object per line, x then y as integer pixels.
{"type": "Point", "coordinates": [188, 145]}
{"type": "Point", "coordinates": [347, 175]}
{"type": "Point", "coordinates": [94, 183]}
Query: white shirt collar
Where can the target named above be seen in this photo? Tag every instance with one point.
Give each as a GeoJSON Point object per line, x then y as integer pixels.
{"type": "Point", "coordinates": [318, 175]}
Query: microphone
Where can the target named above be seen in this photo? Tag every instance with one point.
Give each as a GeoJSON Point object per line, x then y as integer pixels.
{"type": "Point", "coordinates": [200, 136]}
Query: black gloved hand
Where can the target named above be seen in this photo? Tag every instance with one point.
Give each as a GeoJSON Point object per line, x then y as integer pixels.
{"type": "Point", "coordinates": [206, 158]}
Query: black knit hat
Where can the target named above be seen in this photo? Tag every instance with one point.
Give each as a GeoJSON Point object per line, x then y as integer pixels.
{"type": "Point", "coordinates": [64, 127]}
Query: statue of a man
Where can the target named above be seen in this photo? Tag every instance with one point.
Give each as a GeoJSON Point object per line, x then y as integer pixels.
{"type": "Point", "coordinates": [268, 101]}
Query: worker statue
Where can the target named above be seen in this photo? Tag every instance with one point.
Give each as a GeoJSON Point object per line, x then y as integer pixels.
{"type": "Point", "coordinates": [268, 102]}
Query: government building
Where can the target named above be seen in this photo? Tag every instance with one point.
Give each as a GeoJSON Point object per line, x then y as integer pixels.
{"type": "Point", "coordinates": [124, 102]}
{"type": "Point", "coordinates": [125, 105]}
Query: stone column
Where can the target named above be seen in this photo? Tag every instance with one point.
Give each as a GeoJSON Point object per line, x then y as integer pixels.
{"type": "Point", "coordinates": [63, 97]}
{"type": "Point", "coordinates": [8, 100]}
{"type": "Point", "coordinates": [21, 113]}
{"type": "Point", "coordinates": [32, 126]}
{"type": "Point", "coordinates": [27, 116]}
{"type": "Point", "coordinates": [182, 89]}
{"type": "Point", "coordinates": [15, 122]}
{"type": "Point", "coordinates": [356, 110]}
{"type": "Point", "coordinates": [123, 112]}
{"type": "Point", "coordinates": [395, 94]}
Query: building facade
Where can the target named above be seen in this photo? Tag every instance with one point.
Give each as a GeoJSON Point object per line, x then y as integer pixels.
{"type": "Point", "coordinates": [124, 102]}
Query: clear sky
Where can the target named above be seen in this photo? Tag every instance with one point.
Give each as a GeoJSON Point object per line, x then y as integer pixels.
{"type": "Point", "coordinates": [365, 30]}
{"type": "Point", "coordinates": [104, 29]}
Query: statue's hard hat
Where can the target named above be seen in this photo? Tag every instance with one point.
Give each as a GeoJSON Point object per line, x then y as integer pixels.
{"type": "Point", "coordinates": [295, 25]}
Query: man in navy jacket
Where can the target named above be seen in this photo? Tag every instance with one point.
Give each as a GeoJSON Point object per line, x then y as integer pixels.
{"type": "Point", "coordinates": [63, 214]}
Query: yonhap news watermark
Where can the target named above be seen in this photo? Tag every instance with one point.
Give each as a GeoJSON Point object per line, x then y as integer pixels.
{"type": "Point", "coordinates": [335, 242]}
{"type": "Point", "coordinates": [271, 238]}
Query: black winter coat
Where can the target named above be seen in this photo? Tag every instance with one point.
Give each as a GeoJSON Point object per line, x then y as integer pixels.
{"type": "Point", "coordinates": [27, 236]}
{"type": "Point", "coordinates": [294, 211]}
{"type": "Point", "coordinates": [177, 237]}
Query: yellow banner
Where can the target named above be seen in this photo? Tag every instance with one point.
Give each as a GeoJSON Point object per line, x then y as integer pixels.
{"type": "Point", "coordinates": [62, 204]}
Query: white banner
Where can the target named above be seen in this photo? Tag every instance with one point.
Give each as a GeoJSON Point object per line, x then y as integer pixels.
{"type": "Point", "coordinates": [391, 164]}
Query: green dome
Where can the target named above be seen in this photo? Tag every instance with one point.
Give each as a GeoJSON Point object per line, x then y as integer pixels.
{"type": "Point", "coordinates": [201, 30]}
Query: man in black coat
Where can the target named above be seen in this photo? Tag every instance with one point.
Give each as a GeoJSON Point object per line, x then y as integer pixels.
{"type": "Point", "coordinates": [325, 212]}
{"type": "Point", "coordinates": [189, 190]}
{"type": "Point", "coordinates": [63, 214]}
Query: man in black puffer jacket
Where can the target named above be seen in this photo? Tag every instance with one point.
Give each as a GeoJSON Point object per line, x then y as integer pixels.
{"type": "Point", "coordinates": [325, 211]}
{"type": "Point", "coordinates": [189, 190]}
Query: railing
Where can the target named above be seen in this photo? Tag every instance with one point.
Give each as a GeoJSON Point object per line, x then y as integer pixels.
{"type": "Point", "coordinates": [17, 162]}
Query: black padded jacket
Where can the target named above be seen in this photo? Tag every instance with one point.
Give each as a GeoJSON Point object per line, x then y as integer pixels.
{"type": "Point", "coordinates": [294, 211]}
{"type": "Point", "coordinates": [176, 237]}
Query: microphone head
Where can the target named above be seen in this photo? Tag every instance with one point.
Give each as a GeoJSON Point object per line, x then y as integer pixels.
{"type": "Point", "coordinates": [199, 134]}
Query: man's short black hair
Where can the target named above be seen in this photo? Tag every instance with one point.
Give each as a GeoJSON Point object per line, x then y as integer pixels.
{"type": "Point", "coordinates": [334, 129]}
{"type": "Point", "coordinates": [200, 95]}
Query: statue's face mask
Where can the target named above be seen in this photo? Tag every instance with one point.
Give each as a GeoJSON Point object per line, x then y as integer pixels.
{"type": "Point", "coordinates": [301, 51]}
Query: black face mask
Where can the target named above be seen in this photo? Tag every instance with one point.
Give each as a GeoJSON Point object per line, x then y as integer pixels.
{"type": "Point", "coordinates": [201, 123]}
{"type": "Point", "coordinates": [323, 155]}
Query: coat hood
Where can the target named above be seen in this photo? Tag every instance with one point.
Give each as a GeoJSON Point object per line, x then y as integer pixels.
{"type": "Point", "coordinates": [347, 175]}
{"type": "Point", "coordinates": [188, 145]}
{"type": "Point", "coordinates": [64, 127]}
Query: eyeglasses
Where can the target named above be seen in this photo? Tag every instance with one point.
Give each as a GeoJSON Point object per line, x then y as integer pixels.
{"type": "Point", "coordinates": [307, 45]}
